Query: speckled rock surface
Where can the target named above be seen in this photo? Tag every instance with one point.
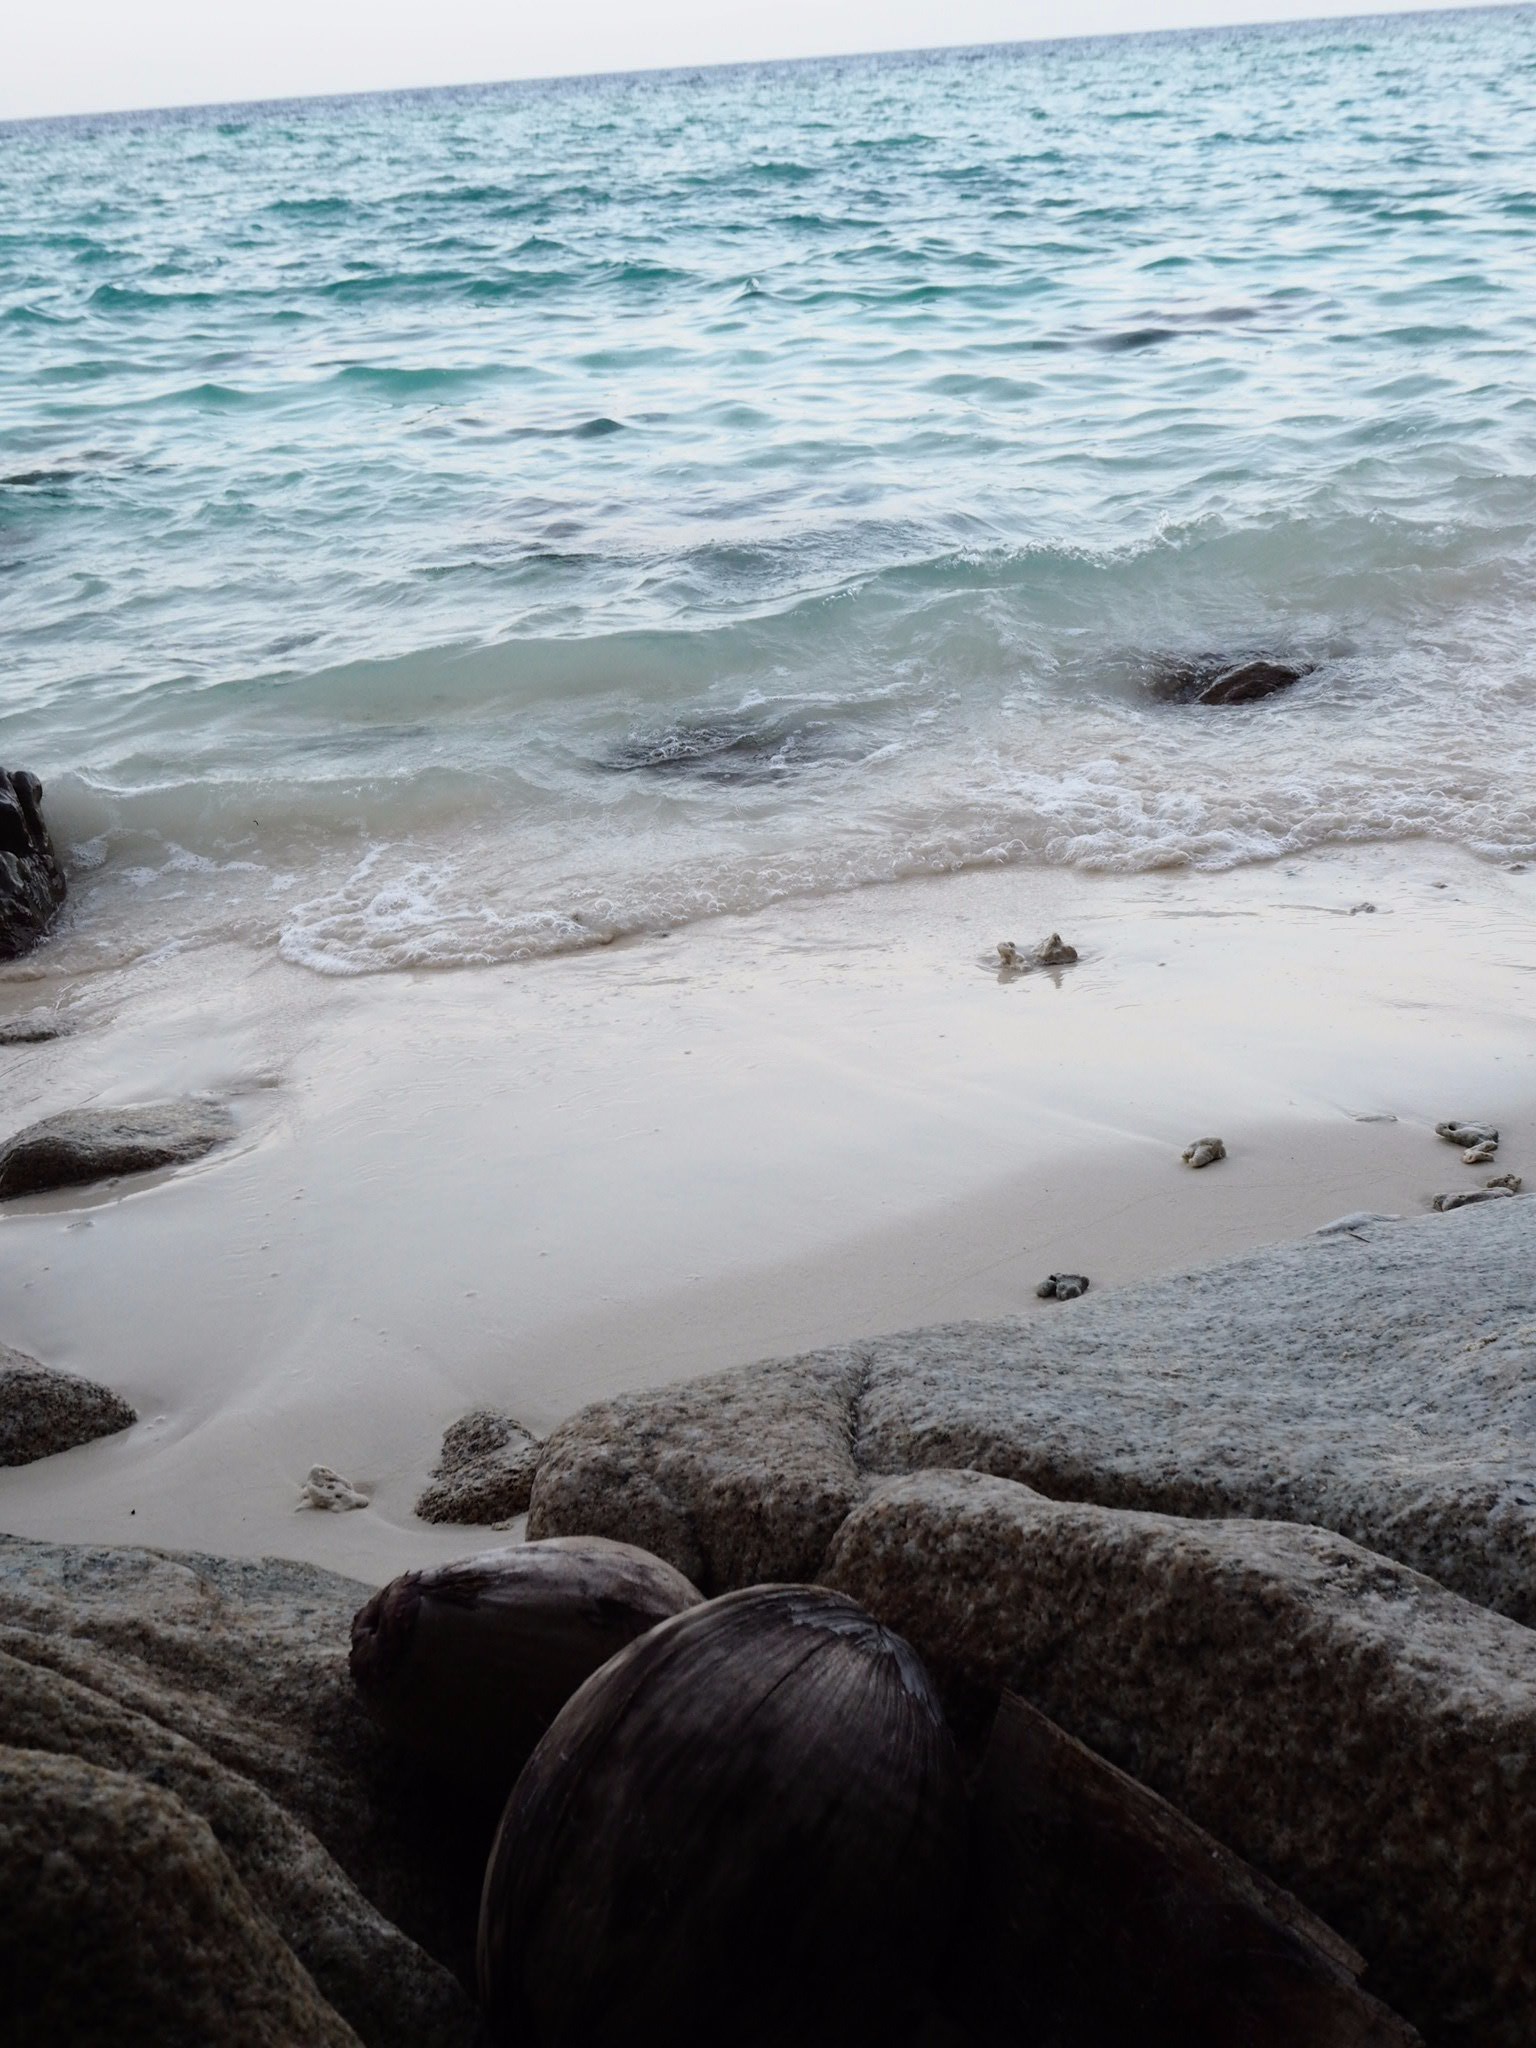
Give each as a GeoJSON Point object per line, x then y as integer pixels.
{"type": "Point", "coordinates": [32, 884]}
{"type": "Point", "coordinates": [484, 1472]}
{"type": "Point", "coordinates": [1364, 1737]}
{"type": "Point", "coordinates": [83, 1145]}
{"type": "Point", "coordinates": [1380, 1383]}
{"type": "Point", "coordinates": [733, 1479]}
{"type": "Point", "coordinates": [43, 1411]}
{"type": "Point", "coordinates": [225, 1684]}
{"type": "Point", "coordinates": [122, 1921]}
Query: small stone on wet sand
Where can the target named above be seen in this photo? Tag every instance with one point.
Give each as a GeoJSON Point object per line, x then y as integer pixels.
{"type": "Point", "coordinates": [1464, 1196]}
{"type": "Point", "coordinates": [1204, 1152]}
{"type": "Point", "coordinates": [1456, 1133]}
{"type": "Point", "coordinates": [327, 1489]}
{"type": "Point", "coordinates": [1063, 1286]}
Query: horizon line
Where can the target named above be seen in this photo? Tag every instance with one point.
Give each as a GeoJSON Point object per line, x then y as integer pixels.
{"type": "Point", "coordinates": [652, 71]}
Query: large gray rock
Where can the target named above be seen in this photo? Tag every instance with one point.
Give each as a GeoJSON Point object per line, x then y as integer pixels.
{"type": "Point", "coordinates": [83, 1145]}
{"type": "Point", "coordinates": [122, 1921]}
{"type": "Point", "coordinates": [43, 1411]}
{"type": "Point", "coordinates": [734, 1479]}
{"type": "Point", "coordinates": [31, 880]}
{"type": "Point", "coordinates": [225, 1684]}
{"type": "Point", "coordinates": [1382, 1384]}
{"type": "Point", "coordinates": [1364, 1737]}
{"type": "Point", "coordinates": [484, 1472]}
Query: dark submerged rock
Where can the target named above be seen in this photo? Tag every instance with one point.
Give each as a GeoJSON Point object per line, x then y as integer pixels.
{"type": "Point", "coordinates": [747, 1827]}
{"type": "Point", "coordinates": [1211, 679]}
{"type": "Point", "coordinates": [32, 884]}
{"type": "Point", "coordinates": [43, 1411]}
{"type": "Point", "coordinates": [1106, 1915]}
{"type": "Point", "coordinates": [466, 1665]}
{"type": "Point", "coordinates": [484, 1472]}
{"type": "Point", "coordinates": [33, 1030]}
{"type": "Point", "coordinates": [84, 1145]}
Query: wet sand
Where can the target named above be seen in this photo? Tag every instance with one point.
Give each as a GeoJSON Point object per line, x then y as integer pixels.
{"type": "Point", "coordinates": [535, 1186]}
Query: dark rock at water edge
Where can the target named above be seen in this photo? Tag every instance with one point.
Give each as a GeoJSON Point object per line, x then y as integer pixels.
{"type": "Point", "coordinates": [33, 1030]}
{"type": "Point", "coordinates": [1210, 679]}
{"type": "Point", "coordinates": [84, 1145]}
{"type": "Point", "coordinates": [32, 885]}
{"type": "Point", "coordinates": [484, 1472]}
{"type": "Point", "coordinates": [43, 1411]}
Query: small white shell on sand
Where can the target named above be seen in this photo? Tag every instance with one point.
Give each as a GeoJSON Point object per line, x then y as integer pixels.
{"type": "Point", "coordinates": [327, 1489]}
{"type": "Point", "coordinates": [1204, 1152]}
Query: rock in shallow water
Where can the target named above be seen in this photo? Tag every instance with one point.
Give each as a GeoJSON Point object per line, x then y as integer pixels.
{"type": "Point", "coordinates": [43, 1412]}
{"type": "Point", "coordinates": [1364, 1737]}
{"type": "Point", "coordinates": [748, 1827]}
{"type": "Point", "coordinates": [85, 1145]}
{"type": "Point", "coordinates": [1211, 680]}
{"type": "Point", "coordinates": [31, 881]}
{"type": "Point", "coordinates": [466, 1665]}
{"type": "Point", "coordinates": [484, 1472]}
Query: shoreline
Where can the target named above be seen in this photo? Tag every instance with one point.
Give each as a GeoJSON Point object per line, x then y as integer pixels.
{"type": "Point", "coordinates": [823, 1123]}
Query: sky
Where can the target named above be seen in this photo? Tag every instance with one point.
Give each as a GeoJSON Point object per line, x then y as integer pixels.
{"type": "Point", "coordinates": [88, 56]}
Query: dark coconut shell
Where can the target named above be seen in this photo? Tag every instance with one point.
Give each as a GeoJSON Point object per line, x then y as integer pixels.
{"type": "Point", "coordinates": [466, 1665]}
{"type": "Point", "coordinates": [749, 1827]}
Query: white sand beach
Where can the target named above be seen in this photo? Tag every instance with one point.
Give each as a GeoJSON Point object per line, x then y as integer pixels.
{"type": "Point", "coordinates": [533, 1186]}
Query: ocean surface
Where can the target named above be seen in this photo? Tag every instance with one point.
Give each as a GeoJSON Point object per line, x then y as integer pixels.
{"type": "Point", "coordinates": [459, 526]}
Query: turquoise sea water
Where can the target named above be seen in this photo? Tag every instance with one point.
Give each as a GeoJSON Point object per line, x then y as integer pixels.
{"type": "Point", "coordinates": [454, 526]}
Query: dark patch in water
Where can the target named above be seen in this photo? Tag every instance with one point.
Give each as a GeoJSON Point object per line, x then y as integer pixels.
{"type": "Point", "coordinates": [722, 750]}
{"type": "Point", "coordinates": [1221, 679]}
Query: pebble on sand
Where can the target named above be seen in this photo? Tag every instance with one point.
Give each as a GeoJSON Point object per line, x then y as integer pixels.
{"type": "Point", "coordinates": [1204, 1152]}
{"type": "Point", "coordinates": [327, 1489]}
{"type": "Point", "coordinates": [1062, 1286]}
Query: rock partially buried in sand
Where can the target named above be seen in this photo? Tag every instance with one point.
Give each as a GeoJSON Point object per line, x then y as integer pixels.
{"type": "Point", "coordinates": [1342, 1226]}
{"type": "Point", "coordinates": [1467, 1134]}
{"type": "Point", "coordinates": [484, 1472]}
{"type": "Point", "coordinates": [328, 1491]}
{"type": "Point", "coordinates": [1204, 1152]}
{"type": "Point", "coordinates": [1051, 952]}
{"type": "Point", "coordinates": [1479, 1155]}
{"type": "Point", "coordinates": [1062, 1286]}
{"type": "Point", "coordinates": [748, 1827]}
{"type": "Point", "coordinates": [43, 1412]}
{"type": "Point", "coordinates": [1512, 1181]}
{"type": "Point", "coordinates": [32, 885]}
{"type": "Point", "coordinates": [84, 1145]}
{"type": "Point", "coordinates": [1464, 1197]}
{"type": "Point", "coordinates": [466, 1665]}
